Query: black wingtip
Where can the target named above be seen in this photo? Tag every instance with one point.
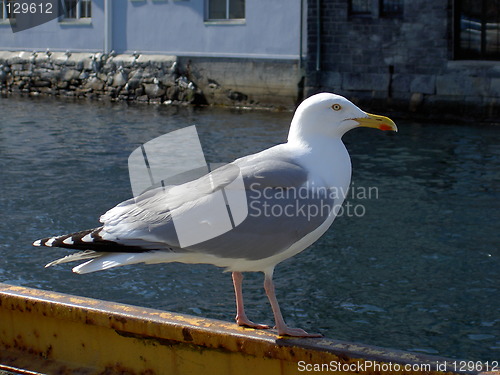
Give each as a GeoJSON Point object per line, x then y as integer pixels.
{"type": "Point", "coordinates": [71, 241]}
{"type": "Point", "coordinates": [89, 239]}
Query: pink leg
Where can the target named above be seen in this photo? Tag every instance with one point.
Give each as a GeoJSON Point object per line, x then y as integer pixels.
{"type": "Point", "coordinates": [283, 329]}
{"type": "Point", "coordinates": [241, 317]}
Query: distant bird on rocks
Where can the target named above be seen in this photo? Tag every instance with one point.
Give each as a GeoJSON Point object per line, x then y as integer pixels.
{"type": "Point", "coordinates": [299, 181]}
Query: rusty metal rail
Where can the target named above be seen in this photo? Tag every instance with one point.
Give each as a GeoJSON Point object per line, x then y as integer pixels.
{"type": "Point", "coordinates": [54, 333]}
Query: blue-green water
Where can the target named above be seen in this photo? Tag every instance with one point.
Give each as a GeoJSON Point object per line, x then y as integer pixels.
{"type": "Point", "coordinates": [412, 264]}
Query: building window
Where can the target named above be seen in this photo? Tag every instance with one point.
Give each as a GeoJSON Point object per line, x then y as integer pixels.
{"type": "Point", "coordinates": [376, 8]}
{"type": "Point", "coordinates": [77, 9]}
{"type": "Point", "coordinates": [477, 29]}
{"type": "Point", "coordinates": [391, 8]}
{"type": "Point", "coordinates": [219, 10]}
{"type": "Point", "coordinates": [360, 7]}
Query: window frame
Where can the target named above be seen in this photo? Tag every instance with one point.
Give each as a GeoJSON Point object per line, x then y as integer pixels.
{"type": "Point", "coordinates": [376, 10]}
{"type": "Point", "coordinates": [391, 14]}
{"type": "Point", "coordinates": [361, 14]}
{"type": "Point", "coordinates": [462, 53]}
{"type": "Point", "coordinates": [85, 19]}
{"type": "Point", "coordinates": [225, 20]}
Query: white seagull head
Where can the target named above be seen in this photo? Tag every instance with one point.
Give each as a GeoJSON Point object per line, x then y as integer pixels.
{"type": "Point", "coordinates": [330, 115]}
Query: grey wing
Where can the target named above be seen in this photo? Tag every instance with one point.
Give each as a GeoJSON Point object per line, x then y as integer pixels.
{"type": "Point", "coordinates": [280, 210]}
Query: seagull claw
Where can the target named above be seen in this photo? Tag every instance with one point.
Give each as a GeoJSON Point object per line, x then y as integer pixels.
{"type": "Point", "coordinates": [245, 322]}
{"type": "Point", "coordinates": [296, 332]}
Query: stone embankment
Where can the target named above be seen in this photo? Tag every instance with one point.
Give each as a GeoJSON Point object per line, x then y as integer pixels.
{"type": "Point", "coordinates": [143, 78]}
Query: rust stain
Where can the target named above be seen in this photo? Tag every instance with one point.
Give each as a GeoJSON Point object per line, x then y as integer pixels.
{"type": "Point", "coordinates": [118, 368]}
{"type": "Point", "coordinates": [186, 334]}
{"type": "Point", "coordinates": [151, 340]}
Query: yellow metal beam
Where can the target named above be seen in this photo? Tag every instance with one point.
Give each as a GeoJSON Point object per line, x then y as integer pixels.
{"type": "Point", "coordinates": [54, 333]}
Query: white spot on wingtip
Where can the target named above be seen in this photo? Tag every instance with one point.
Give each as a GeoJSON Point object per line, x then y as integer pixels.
{"type": "Point", "coordinates": [68, 241]}
{"type": "Point", "coordinates": [87, 238]}
{"type": "Point", "coordinates": [50, 242]}
{"type": "Point", "coordinates": [37, 243]}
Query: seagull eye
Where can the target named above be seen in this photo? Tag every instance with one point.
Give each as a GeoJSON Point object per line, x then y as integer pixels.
{"type": "Point", "coordinates": [336, 107]}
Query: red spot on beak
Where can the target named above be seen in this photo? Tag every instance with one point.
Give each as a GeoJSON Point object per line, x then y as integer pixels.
{"type": "Point", "coordinates": [384, 127]}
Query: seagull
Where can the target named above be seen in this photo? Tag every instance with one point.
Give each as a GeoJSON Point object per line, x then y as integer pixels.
{"type": "Point", "coordinates": [294, 192]}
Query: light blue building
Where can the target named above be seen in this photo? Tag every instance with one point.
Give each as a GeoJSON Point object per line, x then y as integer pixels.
{"type": "Point", "coordinates": [250, 46]}
{"type": "Point", "coordinates": [210, 28]}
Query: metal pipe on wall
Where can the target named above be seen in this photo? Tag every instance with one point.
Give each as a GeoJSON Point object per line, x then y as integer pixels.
{"type": "Point", "coordinates": [108, 26]}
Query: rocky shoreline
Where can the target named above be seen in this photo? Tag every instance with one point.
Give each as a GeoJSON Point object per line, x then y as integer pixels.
{"type": "Point", "coordinates": [136, 77]}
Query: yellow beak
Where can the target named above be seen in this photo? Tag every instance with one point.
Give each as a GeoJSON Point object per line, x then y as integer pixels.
{"type": "Point", "coordinates": [377, 122]}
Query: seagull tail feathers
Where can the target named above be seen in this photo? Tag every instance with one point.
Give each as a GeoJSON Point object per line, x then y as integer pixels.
{"type": "Point", "coordinates": [83, 240]}
{"type": "Point", "coordinates": [105, 261]}
{"type": "Point", "coordinates": [102, 254]}
{"type": "Point", "coordinates": [82, 255]}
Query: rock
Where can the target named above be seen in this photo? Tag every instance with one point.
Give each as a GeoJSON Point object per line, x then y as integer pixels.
{"type": "Point", "coordinates": [3, 74]}
{"type": "Point", "coordinates": [133, 83]}
{"type": "Point", "coordinates": [41, 83]}
{"type": "Point", "coordinates": [139, 91]}
{"type": "Point", "coordinates": [111, 92]}
{"type": "Point", "coordinates": [236, 96]}
{"type": "Point", "coordinates": [173, 92]}
{"type": "Point", "coordinates": [82, 91]}
{"type": "Point", "coordinates": [62, 84]}
{"type": "Point", "coordinates": [154, 90]}
{"type": "Point", "coordinates": [69, 74]}
{"type": "Point", "coordinates": [108, 79]}
{"type": "Point", "coordinates": [168, 79]}
{"type": "Point", "coordinates": [135, 79]}
{"type": "Point", "coordinates": [110, 66]}
{"type": "Point", "coordinates": [120, 78]}
{"type": "Point", "coordinates": [95, 84]}
{"type": "Point", "coordinates": [17, 67]}
{"type": "Point", "coordinates": [145, 78]}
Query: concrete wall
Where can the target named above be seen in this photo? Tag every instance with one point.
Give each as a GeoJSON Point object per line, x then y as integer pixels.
{"type": "Point", "coordinates": [248, 82]}
{"type": "Point", "coordinates": [405, 63]}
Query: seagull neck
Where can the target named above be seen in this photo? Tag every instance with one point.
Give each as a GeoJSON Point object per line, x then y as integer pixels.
{"type": "Point", "coordinates": [327, 158]}
{"type": "Point", "coordinates": [315, 144]}
{"type": "Point", "coordinates": [299, 134]}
